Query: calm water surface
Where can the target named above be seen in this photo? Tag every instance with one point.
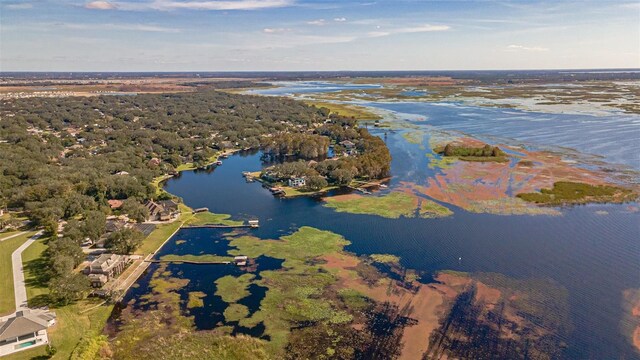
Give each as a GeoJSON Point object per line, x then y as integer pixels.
{"type": "Point", "coordinates": [593, 251]}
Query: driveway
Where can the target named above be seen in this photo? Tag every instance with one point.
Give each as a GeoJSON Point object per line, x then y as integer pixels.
{"type": "Point", "coordinates": [19, 287]}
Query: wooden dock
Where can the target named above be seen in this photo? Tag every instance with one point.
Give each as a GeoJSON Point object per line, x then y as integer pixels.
{"type": "Point", "coordinates": [153, 261]}
{"type": "Point", "coordinates": [213, 226]}
{"type": "Point", "coordinates": [250, 224]}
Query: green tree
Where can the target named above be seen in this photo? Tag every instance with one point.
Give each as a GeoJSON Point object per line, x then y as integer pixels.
{"type": "Point", "coordinates": [125, 241]}
{"type": "Point", "coordinates": [135, 210]}
{"type": "Point", "coordinates": [69, 287]}
{"type": "Point", "coordinates": [94, 224]}
{"type": "Point", "coordinates": [315, 182]}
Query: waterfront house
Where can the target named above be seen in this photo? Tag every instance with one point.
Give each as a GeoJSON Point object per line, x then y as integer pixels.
{"type": "Point", "coordinates": [98, 280]}
{"type": "Point", "coordinates": [109, 265]}
{"type": "Point", "coordinates": [162, 210]}
{"type": "Point", "coordinates": [25, 330]}
{"type": "Point", "coordinates": [297, 182]}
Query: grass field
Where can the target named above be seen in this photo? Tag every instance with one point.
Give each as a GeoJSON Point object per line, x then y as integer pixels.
{"type": "Point", "coordinates": [7, 247]}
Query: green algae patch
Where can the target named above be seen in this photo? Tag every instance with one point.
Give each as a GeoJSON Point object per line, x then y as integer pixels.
{"type": "Point", "coordinates": [566, 192]}
{"type": "Point", "coordinates": [232, 289]}
{"type": "Point", "coordinates": [306, 243]}
{"type": "Point", "coordinates": [509, 206]}
{"type": "Point", "coordinates": [196, 299]}
{"type": "Point", "coordinates": [385, 258]}
{"type": "Point", "coordinates": [440, 162]}
{"type": "Point", "coordinates": [235, 312]}
{"type": "Point", "coordinates": [392, 206]}
{"type": "Point", "coordinates": [414, 137]}
{"type": "Point", "coordinates": [301, 291]}
{"type": "Point", "coordinates": [354, 299]}
{"type": "Point", "coordinates": [431, 209]}
{"type": "Point", "coordinates": [203, 259]}
{"type": "Point", "coordinates": [206, 218]}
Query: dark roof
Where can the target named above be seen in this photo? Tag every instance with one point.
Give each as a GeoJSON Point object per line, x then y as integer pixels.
{"type": "Point", "coordinates": [168, 204]}
{"type": "Point", "coordinates": [22, 324]}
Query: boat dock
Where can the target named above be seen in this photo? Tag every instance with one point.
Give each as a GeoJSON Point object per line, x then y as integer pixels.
{"type": "Point", "coordinates": [362, 190]}
{"type": "Point", "coordinates": [250, 224]}
{"type": "Point", "coordinates": [153, 261]}
{"type": "Point", "coordinates": [241, 260]}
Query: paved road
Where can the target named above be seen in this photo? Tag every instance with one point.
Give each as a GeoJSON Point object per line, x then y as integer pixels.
{"type": "Point", "coordinates": [19, 287]}
{"type": "Point", "coordinates": [12, 236]}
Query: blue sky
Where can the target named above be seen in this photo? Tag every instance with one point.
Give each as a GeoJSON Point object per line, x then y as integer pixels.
{"type": "Point", "coordinates": [230, 35]}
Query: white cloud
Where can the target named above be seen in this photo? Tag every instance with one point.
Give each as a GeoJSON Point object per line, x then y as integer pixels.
{"type": "Point", "coordinates": [125, 27]}
{"type": "Point", "coordinates": [340, 19]}
{"type": "Point", "coordinates": [275, 30]}
{"type": "Point", "coordinates": [408, 30]}
{"type": "Point", "coordinates": [526, 48]}
{"type": "Point", "coordinates": [223, 5]}
{"type": "Point", "coordinates": [100, 5]}
{"type": "Point", "coordinates": [633, 5]}
{"type": "Point", "coordinates": [422, 28]}
{"type": "Point", "coordinates": [318, 22]}
{"type": "Point", "coordinates": [23, 6]}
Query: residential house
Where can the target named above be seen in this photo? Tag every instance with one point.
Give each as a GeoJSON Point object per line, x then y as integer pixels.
{"type": "Point", "coordinates": [162, 210]}
{"type": "Point", "coordinates": [347, 144]}
{"type": "Point", "coordinates": [297, 182]}
{"type": "Point", "coordinates": [25, 330]}
{"type": "Point", "coordinates": [114, 204]}
{"type": "Point", "coordinates": [350, 147]}
{"type": "Point", "coordinates": [154, 162]}
{"type": "Point", "coordinates": [109, 265]}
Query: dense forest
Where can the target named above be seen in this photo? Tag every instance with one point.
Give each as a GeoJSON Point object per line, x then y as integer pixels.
{"type": "Point", "coordinates": [367, 157]}
{"type": "Point", "coordinates": [64, 158]}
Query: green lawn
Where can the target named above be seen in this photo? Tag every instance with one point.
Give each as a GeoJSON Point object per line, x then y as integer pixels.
{"type": "Point", "coordinates": [161, 233]}
{"type": "Point", "coordinates": [7, 247]}
{"type": "Point", "coordinates": [34, 267]}
{"type": "Point", "coordinates": [293, 192]}
{"type": "Point", "coordinates": [191, 166]}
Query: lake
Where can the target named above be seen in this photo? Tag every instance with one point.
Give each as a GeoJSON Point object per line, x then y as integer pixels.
{"type": "Point", "coordinates": [593, 251]}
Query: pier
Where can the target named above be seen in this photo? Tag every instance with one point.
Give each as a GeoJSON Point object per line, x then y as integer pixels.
{"type": "Point", "coordinates": [154, 261]}
{"type": "Point", "coordinates": [250, 224]}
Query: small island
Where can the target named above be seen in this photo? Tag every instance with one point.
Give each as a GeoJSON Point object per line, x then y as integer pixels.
{"type": "Point", "coordinates": [473, 153]}
{"type": "Point", "coordinates": [567, 192]}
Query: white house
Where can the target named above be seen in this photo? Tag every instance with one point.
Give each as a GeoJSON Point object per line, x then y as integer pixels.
{"type": "Point", "coordinates": [297, 182]}
{"type": "Point", "coordinates": [26, 329]}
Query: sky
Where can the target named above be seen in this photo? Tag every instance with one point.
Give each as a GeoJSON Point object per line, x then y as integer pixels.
{"type": "Point", "coordinates": [281, 35]}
